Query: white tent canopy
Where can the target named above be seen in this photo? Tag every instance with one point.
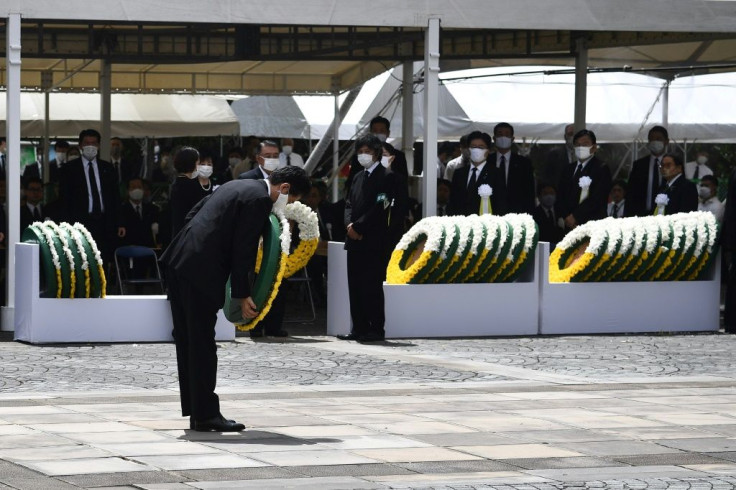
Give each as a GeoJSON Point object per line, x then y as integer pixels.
{"type": "Point", "coordinates": [133, 115]}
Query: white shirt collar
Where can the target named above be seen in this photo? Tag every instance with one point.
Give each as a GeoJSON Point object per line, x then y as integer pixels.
{"type": "Point", "coordinates": [370, 169]}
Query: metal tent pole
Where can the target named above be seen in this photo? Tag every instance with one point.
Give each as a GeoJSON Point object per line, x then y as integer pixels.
{"type": "Point", "coordinates": [431, 92]}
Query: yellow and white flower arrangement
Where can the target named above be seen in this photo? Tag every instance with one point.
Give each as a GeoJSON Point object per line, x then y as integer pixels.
{"type": "Point", "coordinates": [61, 235]}
{"type": "Point", "coordinates": [661, 201]}
{"type": "Point", "coordinates": [48, 235]}
{"type": "Point", "coordinates": [464, 249]}
{"type": "Point", "coordinates": [308, 224]}
{"type": "Point", "coordinates": [97, 255]}
{"type": "Point", "coordinates": [652, 248]}
{"type": "Point", "coordinates": [84, 261]}
{"type": "Point", "coordinates": [485, 192]}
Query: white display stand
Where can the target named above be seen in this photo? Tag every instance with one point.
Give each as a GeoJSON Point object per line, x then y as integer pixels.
{"type": "Point", "coordinates": [628, 307]}
{"type": "Point", "coordinates": [112, 319]}
{"type": "Point", "coordinates": [338, 300]}
{"type": "Point", "coordinates": [441, 310]}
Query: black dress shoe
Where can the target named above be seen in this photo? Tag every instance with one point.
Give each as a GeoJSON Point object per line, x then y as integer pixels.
{"type": "Point", "coordinates": [372, 337]}
{"type": "Point", "coordinates": [278, 333]}
{"type": "Point", "coordinates": [256, 334]}
{"type": "Point", "coordinates": [216, 424]}
{"type": "Point", "coordinates": [350, 336]}
{"type": "Point", "coordinates": [191, 422]}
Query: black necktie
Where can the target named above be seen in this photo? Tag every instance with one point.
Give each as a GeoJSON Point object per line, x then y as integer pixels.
{"type": "Point", "coordinates": [578, 172]}
{"type": "Point", "coordinates": [502, 170]}
{"type": "Point", "coordinates": [36, 214]}
{"type": "Point", "coordinates": [138, 211]}
{"type": "Point", "coordinates": [96, 207]}
{"type": "Point", "coordinates": [696, 174]}
{"type": "Point", "coordinates": [288, 160]}
{"type": "Point", "coordinates": [473, 179]}
{"type": "Point", "coordinates": [2, 164]}
{"type": "Point", "coordinates": [614, 211]}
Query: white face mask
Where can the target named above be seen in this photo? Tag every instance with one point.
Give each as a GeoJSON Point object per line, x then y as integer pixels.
{"type": "Point", "coordinates": [582, 152]}
{"type": "Point", "coordinates": [381, 136]}
{"type": "Point", "coordinates": [280, 205]}
{"type": "Point", "coordinates": [365, 159]}
{"type": "Point", "coordinates": [702, 160]}
{"type": "Point", "coordinates": [194, 174]}
{"type": "Point", "coordinates": [286, 149]}
{"type": "Point", "coordinates": [478, 155]}
{"type": "Point", "coordinates": [385, 161]}
{"type": "Point", "coordinates": [656, 147]}
{"type": "Point", "coordinates": [60, 158]}
{"type": "Point", "coordinates": [89, 152]}
{"type": "Point", "coordinates": [503, 142]}
{"type": "Point", "coordinates": [270, 164]}
{"type": "Point", "coordinates": [234, 161]}
{"type": "Point", "coordinates": [135, 194]}
{"type": "Point", "coordinates": [704, 192]}
{"type": "Point", "coordinates": [204, 171]}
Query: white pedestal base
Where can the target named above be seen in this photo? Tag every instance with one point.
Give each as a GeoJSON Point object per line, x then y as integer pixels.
{"type": "Point", "coordinates": [441, 310]}
{"type": "Point", "coordinates": [628, 307]}
{"type": "Point", "coordinates": [112, 319]}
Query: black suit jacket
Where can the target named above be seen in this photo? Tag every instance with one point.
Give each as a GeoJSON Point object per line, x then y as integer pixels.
{"type": "Point", "coordinates": [253, 174]}
{"type": "Point", "coordinates": [368, 213]}
{"type": "Point", "coordinates": [128, 169]}
{"type": "Point", "coordinates": [554, 166]}
{"type": "Point", "coordinates": [26, 218]}
{"type": "Point", "coordinates": [568, 194]}
{"type": "Point", "coordinates": [221, 240]}
{"type": "Point", "coordinates": [465, 201]}
{"type": "Point", "coordinates": [185, 193]}
{"type": "Point", "coordinates": [32, 171]}
{"type": "Point", "coordinates": [75, 198]}
{"type": "Point", "coordinates": [548, 229]}
{"type": "Point", "coordinates": [138, 229]}
{"type": "Point", "coordinates": [517, 195]}
{"type": "Point", "coordinates": [637, 187]}
{"type": "Point", "coordinates": [683, 195]}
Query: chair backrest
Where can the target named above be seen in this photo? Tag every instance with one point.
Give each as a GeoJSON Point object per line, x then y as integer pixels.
{"type": "Point", "coordinates": [134, 252]}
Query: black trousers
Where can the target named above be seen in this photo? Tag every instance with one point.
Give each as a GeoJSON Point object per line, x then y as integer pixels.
{"type": "Point", "coordinates": [196, 350]}
{"type": "Point", "coordinates": [274, 319]}
{"type": "Point", "coordinates": [366, 273]}
{"type": "Point", "coordinates": [729, 315]}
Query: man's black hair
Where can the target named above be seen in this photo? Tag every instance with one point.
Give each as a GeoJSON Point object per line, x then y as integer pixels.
{"type": "Point", "coordinates": [185, 160]}
{"type": "Point", "coordinates": [502, 125]}
{"type": "Point", "coordinates": [89, 132]}
{"type": "Point", "coordinates": [584, 132]}
{"type": "Point", "coordinates": [659, 129]}
{"type": "Point", "coordinates": [372, 142]}
{"type": "Point", "coordinates": [295, 176]}
{"type": "Point", "coordinates": [380, 119]}
{"type": "Point", "coordinates": [478, 135]}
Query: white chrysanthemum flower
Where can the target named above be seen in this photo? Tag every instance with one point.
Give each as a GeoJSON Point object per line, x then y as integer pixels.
{"type": "Point", "coordinates": [485, 190]}
{"type": "Point", "coordinates": [307, 219]}
{"type": "Point", "coordinates": [584, 182]}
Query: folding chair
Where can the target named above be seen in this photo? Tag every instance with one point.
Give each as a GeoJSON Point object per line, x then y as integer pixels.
{"type": "Point", "coordinates": [126, 259]}
{"type": "Point", "coordinates": [302, 278]}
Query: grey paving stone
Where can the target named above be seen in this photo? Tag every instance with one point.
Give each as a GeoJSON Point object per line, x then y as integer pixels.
{"type": "Point", "coordinates": [116, 479]}
{"type": "Point", "coordinates": [707, 445]}
{"type": "Point", "coordinates": [37, 483]}
{"type": "Point", "coordinates": [458, 466]}
{"type": "Point", "coordinates": [726, 455]}
{"type": "Point", "coordinates": [465, 439]}
{"type": "Point", "coordinates": [553, 463]}
{"type": "Point", "coordinates": [617, 448]}
{"type": "Point", "coordinates": [351, 470]}
{"type": "Point", "coordinates": [666, 459]}
{"type": "Point", "coordinates": [234, 474]}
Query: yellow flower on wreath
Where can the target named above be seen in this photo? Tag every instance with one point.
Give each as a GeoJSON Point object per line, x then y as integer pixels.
{"type": "Point", "coordinates": [244, 327]}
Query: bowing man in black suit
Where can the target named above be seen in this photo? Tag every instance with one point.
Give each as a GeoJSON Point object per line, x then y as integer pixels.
{"type": "Point", "coordinates": [570, 206]}
{"type": "Point", "coordinates": [89, 193]}
{"type": "Point", "coordinates": [644, 179]}
{"type": "Point", "coordinates": [515, 175]}
{"type": "Point", "coordinates": [464, 198]}
{"type": "Point", "coordinates": [366, 219]}
{"type": "Point", "coordinates": [33, 210]}
{"type": "Point", "coordinates": [219, 241]}
{"type": "Point", "coordinates": [681, 192]}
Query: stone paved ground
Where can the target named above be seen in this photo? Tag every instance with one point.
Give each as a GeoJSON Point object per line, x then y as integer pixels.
{"type": "Point", "coordinates": [619, 412]}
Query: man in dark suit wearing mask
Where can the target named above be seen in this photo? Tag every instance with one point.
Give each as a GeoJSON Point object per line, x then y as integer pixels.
{"type": "Point", "coordinates": [464, 198]}
{"type": "Point", "coordinates": [366, 220]}
{"type": "Point", "coordinates": [576, 205]}
{"type": "Point", "coordinates": [514, 189]}
{"type": "Point", "coordinates": [220, 240]}
{"type": "Point", "coordinates": [89, 193]}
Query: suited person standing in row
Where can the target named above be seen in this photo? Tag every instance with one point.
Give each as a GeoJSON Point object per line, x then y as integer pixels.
{"type": "Point", "coordinates": [514, 188]}
{"type": "Point", "coordinates": [89, 193]}
{"type": "Point", "coordinates": [219, 241]}
{"type": "Point", "coordinates": [574, 210]}
{"type": "Point", "coordinates": [645, 179]}
{"type": "Point", "coordinates": [366, 220]}
{"type": "Point", "coordinates": [682, 194]}
{"type": "Point", "coordinates": [32, 211]}
{"type": "Point", "coordinates": [464, 198]}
